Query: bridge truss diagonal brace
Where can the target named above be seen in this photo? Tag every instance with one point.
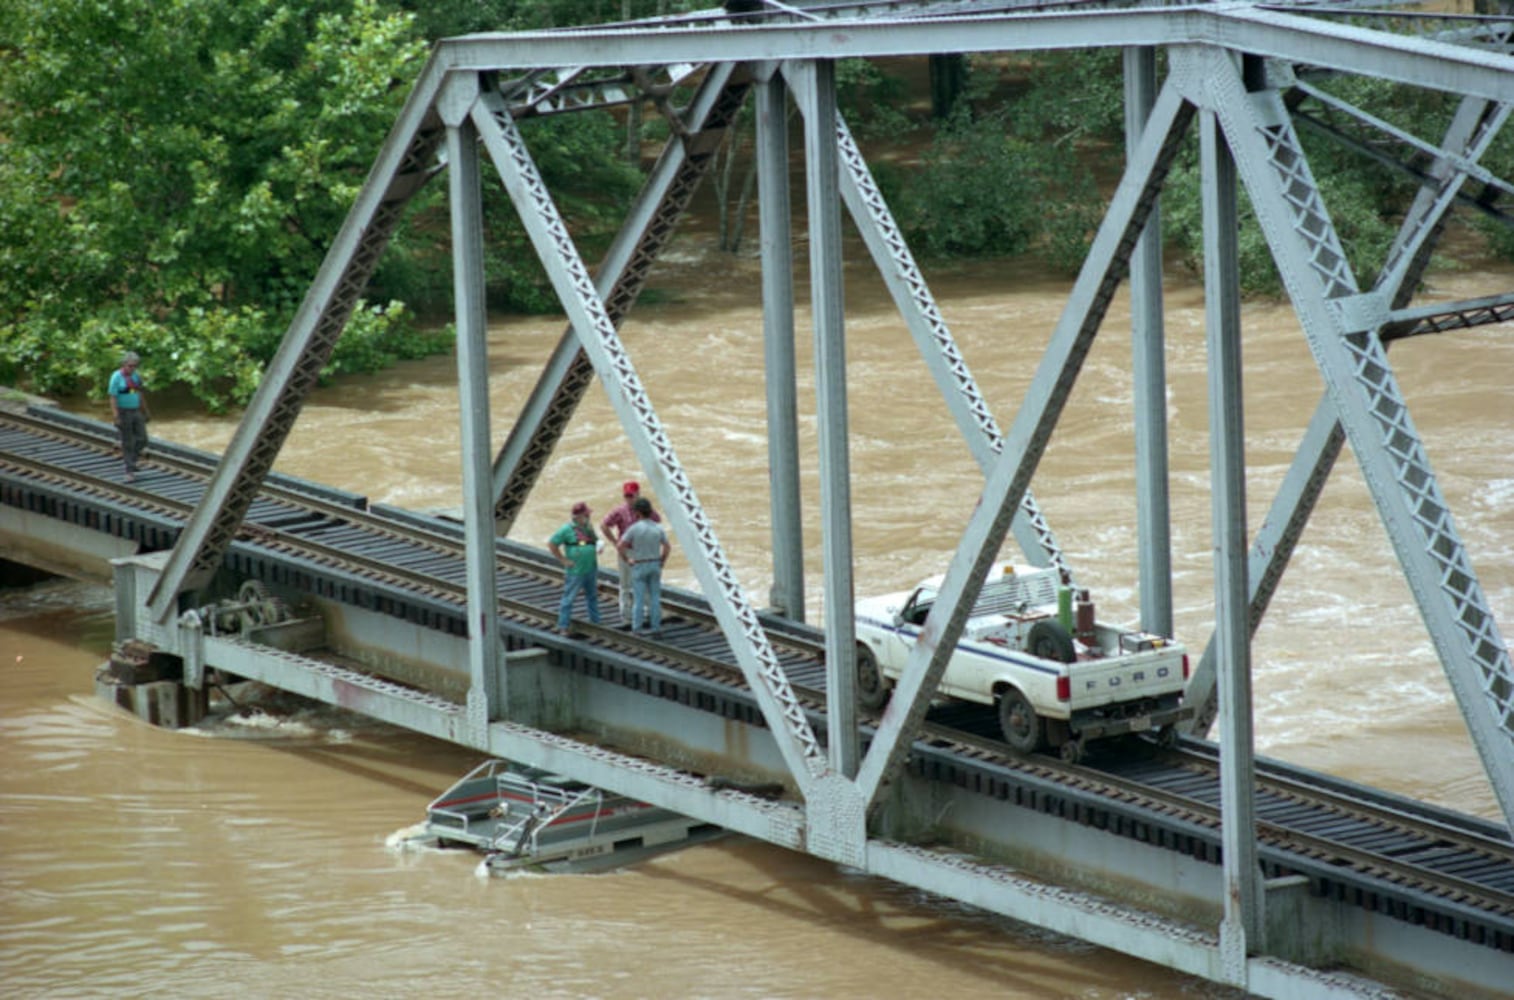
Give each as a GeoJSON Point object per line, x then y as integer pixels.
{"type": "Point", "coordinates": [1371, 408]}
{"type": "Point", "coordinates": [929, 329]}
{"type": "Point", "coordinates": [791, 730]}
{"type": "Point", "coordinates": [1467, 138]}
{"type": "Point", "coordinates": [404, 164]}
{"type": "Point", "coordinates": [1442, 317]}
{"type": "Point", "coordinates": [1103, 269]}
{"type": "Point", "coordinates": [1448, 160]}
{"type": "Point", "coordinates": [674, 178]}
{"type": "Point", "coordinates": [1476, 124]}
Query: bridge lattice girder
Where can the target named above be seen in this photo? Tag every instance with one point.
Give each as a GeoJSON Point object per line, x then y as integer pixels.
{"type": "Point", "coordinates": [1246, 65]}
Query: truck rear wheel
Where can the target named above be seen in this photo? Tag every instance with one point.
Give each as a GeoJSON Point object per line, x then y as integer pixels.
{"type": "Point", "coordinates": [1023, 728]}
{"type": "Point", "coordinates": [872, 688]}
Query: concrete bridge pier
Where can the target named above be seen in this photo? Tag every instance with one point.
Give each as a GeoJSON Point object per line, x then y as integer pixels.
{"type": "Point", "coordinates": [150, 684]}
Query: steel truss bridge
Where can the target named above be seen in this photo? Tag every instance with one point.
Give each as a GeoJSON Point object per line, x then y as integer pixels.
{"type": "Point", "coordinates": [1247, 78]}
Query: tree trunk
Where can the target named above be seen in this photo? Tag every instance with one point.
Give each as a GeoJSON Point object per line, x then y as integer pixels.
{"type": "Point", "coordinates": [748, 182]}
{"type": "Point", "coordinates": [948, 78]}
{"type": "Point", "coordinates": [720, 177]}
{"type": "Point", "coordinates": [633, 110]}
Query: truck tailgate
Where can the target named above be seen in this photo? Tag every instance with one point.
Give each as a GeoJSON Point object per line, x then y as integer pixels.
{"type": "Point", "coordinates": [1094, 683]}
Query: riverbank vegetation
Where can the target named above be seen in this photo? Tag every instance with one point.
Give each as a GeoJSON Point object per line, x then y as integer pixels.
{"type": "Point", "coordinates": [172, 173]}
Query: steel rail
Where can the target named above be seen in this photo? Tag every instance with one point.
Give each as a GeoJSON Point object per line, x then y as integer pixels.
{"type": "Point", "coordinates": [1286, 781]}
{"type": "Point", "coordinates": [1382, 820]}
{"type": "Point", "coordinates": [431, 538]}
{"type": "Point", "coordinates": [1404, 874]}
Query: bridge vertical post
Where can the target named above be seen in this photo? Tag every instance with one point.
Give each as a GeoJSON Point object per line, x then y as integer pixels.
{"type": "Point", "coordinates": [829, 318]}
{"type": "Point", "coordinates": [485, 678]}
{"type": "Point", "coordinates": [1149, 373]}
{"type": "Point", "coordinates": [1241, 927]}
{"type": "Point", "coordinates": [787, 593]}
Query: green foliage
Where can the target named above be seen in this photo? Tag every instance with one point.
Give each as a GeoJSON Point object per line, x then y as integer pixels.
{"type": "Point", "coordinates": [462, 17]}
{"type": "Point", "coordinates": [168, 161]}
{"type": "Point", "coordinates": [984, 188]}
{"type": "Point", "coordinates": [999, 177]}
{"type": "Point", "coordinates": [870, 100]}
{"type": "Point", "coordinates": [975, 193]}
{"type": "Point", "coordinates": [208, 353]}
{"type": "Point", "coordinates": [378, 336]}
{"type": "Point", "coordinates": [1499, 234]}
{"type": "Point", "coordinates": [1073, 98]}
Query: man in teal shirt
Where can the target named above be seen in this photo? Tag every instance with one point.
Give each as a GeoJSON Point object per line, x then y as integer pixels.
{"type": "Point", "coordinates": [577, 547]}
{"type": "Point", "coordinates": [128, 409]}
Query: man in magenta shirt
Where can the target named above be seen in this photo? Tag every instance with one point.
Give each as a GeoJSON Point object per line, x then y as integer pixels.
{"type": "Point", "coordinates": [614, 526]}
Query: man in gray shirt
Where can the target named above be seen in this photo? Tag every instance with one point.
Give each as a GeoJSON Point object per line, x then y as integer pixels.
{"type": "Point", "coordinates": [644, 545]}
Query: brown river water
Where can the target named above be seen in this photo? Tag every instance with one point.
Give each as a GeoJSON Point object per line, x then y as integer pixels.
{"type": "Point", "coordinates": [250, 857]}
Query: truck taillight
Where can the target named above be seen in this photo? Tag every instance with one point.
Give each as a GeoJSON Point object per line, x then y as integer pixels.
{"type": "Point", "coordinates": [1185, 666]}
{"type": "Point", "coordinates": [1064, 688]}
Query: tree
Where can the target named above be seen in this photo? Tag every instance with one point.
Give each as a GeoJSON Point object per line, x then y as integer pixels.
{"type": "Point", "coordinates": [461, 17]}
{"type": "Point", "coordinates": [977, 192]}
{"type": "Point", "coordinates": [171, 174]}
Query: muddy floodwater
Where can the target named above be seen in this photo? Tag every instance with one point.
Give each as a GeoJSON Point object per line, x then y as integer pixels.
{"type": "Point", "coordinates": [251, 857]}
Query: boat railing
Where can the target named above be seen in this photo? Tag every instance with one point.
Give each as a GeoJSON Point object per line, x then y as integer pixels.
{"type": "Point", "coordinates": [507, 809]}
{"type": "Point", "coordinates": [519, 835]}
{"type": "Point", "coordinates": [451, 805]}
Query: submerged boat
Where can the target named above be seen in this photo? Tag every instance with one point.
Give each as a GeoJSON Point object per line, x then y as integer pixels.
{"type": "Point", "coordinates": [524, 817]}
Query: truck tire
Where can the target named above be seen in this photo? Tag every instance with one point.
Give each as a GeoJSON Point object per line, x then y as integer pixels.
{"type": "Point", "coordinates": [1023, 728]}
{"type": "Point", "coordinates": [1050, 641]}
{"type": "Point", "coordinates": [872, 688]}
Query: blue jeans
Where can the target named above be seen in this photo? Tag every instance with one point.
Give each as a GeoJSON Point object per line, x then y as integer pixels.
{"type": "Point", "coordinates": [572, 584]}
{"type": "Point", "coordinates": [646, 595]}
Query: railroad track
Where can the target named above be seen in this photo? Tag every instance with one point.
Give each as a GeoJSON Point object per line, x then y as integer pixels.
{"type": "Point", "coordinates": [1308, 821]}
{"type": "Point", "coordinates": [336, 531]}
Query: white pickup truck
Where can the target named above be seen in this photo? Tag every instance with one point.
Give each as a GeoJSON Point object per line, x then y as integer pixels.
{"type": "Point", "coordinates": [1058, 677]}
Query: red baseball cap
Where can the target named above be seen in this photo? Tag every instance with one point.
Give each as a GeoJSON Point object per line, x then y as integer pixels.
{"type": "Point", "coordinates": [580, 508]}
{"type": "Point", "coordinates": [630, 488]}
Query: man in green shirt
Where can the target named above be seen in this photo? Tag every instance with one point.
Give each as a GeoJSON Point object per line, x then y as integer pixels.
{"type": "Point", "coordinates": [577, 547]}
